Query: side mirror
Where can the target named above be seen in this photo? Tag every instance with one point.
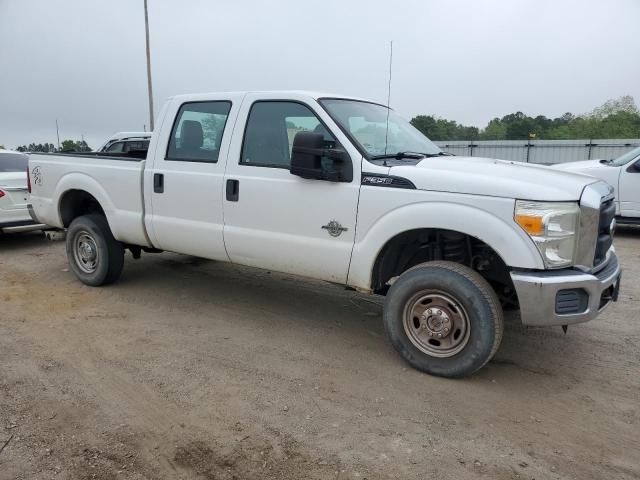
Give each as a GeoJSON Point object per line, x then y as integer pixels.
{"type": "Point", "coordinates": [310, 159]}
{"type": "Point", "coordinates": [634, 167]}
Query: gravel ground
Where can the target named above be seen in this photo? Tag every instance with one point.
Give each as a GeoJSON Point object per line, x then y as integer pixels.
{"type": "Point", "coordinates": [194, 369]}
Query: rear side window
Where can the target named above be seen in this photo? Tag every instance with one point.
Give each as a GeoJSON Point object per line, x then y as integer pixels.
{"type": "Point", "coordinates": [136, 145]}
{"type": "Point", "coordinates": [115, 147]}
{"type": "Point", "coordinates": [13, 162]}
{"type": "Point", "coordinates": [197, 131]}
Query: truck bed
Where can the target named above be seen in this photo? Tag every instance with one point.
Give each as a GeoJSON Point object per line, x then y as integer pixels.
{"type": "Point", "coordinates": [114, 180]}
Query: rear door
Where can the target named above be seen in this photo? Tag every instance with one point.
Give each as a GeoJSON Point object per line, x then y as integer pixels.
{"type": "Point", "coordinates": [279, 221]}
{"type": "Point", "coordinates": [185, 180]}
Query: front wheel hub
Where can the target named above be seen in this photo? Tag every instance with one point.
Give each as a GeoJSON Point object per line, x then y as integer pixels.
{"type": "Point", "coordinates": [436, 323]}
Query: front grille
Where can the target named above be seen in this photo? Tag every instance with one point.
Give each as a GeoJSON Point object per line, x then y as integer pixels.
{"type": "Point", "coordinates": [605, 237]}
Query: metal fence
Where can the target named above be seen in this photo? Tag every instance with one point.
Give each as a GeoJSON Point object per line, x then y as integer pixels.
{"type": "Point", "coordinates": [541, 151]}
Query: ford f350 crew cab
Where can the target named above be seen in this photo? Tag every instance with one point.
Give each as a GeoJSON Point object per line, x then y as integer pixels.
{"type": "Point", "coordinates": [345, 190]}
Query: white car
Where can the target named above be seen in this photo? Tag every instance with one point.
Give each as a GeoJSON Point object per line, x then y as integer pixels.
{"type": "Point", "coordinates": [14, 195]}
{"type": "Point", "coordinates": [347, 191]}
{"type": "Point", "coordinates": [623, 174]}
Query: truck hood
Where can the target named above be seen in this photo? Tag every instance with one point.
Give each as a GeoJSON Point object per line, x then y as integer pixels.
{"type": "Point", "coordinates": [497, 178]}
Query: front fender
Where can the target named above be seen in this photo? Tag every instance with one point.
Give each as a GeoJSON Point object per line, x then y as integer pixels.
{"type": "Point", "coordinates": [492, 227]}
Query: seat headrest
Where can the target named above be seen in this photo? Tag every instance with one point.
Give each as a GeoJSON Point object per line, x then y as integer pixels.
{"type": "Point", "coordinates": [191, 134]}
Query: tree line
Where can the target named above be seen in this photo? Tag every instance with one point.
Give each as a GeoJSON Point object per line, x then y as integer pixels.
{"type": "Point", "coordinates": [617, 118]}
{"type": "Point", "coordinates": [65, 146]}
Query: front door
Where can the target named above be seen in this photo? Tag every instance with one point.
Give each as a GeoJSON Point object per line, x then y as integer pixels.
{"type": "Point", "coordinates": [279, 221]}
{"type": "Point", "coordinates": [185, 182]}
{"type": "Point", "coordinates": [629, 190]}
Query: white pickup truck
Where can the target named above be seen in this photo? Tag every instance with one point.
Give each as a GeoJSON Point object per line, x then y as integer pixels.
{"type": "Point", "coordinates": [345, 190]}
{"type": "Point", "coordinates": [623, 174]}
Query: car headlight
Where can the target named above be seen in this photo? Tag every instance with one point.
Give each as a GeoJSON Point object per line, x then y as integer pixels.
{"type": "Point", "coordinates": [553, 228]}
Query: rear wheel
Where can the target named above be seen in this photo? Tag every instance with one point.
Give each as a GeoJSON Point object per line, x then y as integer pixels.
{"type": "Point", "coordinates": [444, 319]}
{"type": "Point", "coordinates": [95, 257]}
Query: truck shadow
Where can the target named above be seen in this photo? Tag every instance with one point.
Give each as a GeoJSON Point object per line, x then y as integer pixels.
{"type": "Point", "coordinates": [628, 231]}
{"type": "Point", "coordinates": [19, 241]}
{"type": "Point", "coordinates": [311, 310]}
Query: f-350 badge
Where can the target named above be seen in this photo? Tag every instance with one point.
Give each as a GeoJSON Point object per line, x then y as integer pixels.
{"type": "Point", "coordinates": [334, 228]}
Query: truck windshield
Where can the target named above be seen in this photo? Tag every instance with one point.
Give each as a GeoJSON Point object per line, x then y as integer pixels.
{"type": "Point", "coordinates": [366, 124]}
{"type": "Point", "coordinates": [626, 158]}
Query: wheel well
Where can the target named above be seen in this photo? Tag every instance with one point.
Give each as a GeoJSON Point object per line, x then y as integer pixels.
{"type": "Point", "coordinates": [75, 203]}
{"type": "Point", "coordinates": [413, 247]}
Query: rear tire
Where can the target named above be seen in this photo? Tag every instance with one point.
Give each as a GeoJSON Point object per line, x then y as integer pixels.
{"type": "Point", "coordinates": [95, 257]}
{"type": "Point", "coordinates": [444, 319]}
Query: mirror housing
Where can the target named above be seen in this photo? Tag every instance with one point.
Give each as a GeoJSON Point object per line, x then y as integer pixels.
{"type": "Point", "coordinates": [311, 160]}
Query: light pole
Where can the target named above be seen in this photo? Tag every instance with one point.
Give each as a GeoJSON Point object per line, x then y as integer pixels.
{"type": "Point", "coordinates": [58, 133]}
{"type": "Point", "coordinates": [149, 87]}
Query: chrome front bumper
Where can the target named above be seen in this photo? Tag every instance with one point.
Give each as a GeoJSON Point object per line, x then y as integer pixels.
{"type": "Point", "coordinates": [540, 293]}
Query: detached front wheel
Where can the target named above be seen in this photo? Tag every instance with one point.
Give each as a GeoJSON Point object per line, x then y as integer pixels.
{"type": "Point", "coordinates": [94, 255]}
{"type": "Point", "coordinates": [444, 319]}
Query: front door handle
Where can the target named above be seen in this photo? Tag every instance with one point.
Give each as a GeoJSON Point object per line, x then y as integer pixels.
{"type": "Point", "coordinates": [233, 190]}
{"type": "Point", "coordinates": [158, 182]}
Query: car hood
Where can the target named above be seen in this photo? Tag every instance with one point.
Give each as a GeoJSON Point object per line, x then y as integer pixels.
{"type": "Point", "coordinates": [492, 177]}
{"type": "Point", "coordinates": [582, 166]}
{"type": "Point", "coordinates": [594, 168]}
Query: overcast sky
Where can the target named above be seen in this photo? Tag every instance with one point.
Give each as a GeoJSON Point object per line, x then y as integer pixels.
{"type": "Point", "coordinates": [83, 61]}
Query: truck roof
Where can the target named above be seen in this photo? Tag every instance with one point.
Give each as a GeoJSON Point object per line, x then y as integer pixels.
{"type": "Point", "coordinates": [123, 135]}
{"type": "Point", "coordinates": [274, 93]}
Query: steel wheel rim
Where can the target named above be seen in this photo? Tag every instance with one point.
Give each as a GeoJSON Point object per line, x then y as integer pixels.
{"type": "Point", "coordinates": [85, 252]}
{"type": "Point", "coordinates": [436, 323]}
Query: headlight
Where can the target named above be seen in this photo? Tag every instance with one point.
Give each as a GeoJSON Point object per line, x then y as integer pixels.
{"type": "Point", "coordinates": [552, 226]}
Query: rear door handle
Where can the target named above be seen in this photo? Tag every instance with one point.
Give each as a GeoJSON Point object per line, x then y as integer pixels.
{"type": "Point", "coordinates": [158, 182]}
{"type": "Point", "coordinates": [233, 190]}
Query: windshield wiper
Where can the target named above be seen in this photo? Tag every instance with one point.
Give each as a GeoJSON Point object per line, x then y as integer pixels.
{"type": "Point", "coordinates": [411, 155]}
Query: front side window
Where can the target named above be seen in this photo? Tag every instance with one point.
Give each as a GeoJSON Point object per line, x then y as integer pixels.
{"type": "Point", "coordinates": [377, 129]}
{"type": "Point", "coordinates": [271, 129]}
{"type": "Point", "coordinates": [197, 131]}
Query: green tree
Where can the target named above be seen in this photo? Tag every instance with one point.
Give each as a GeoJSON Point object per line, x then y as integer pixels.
{"type": "Point", "coordinates": [74, 146]}
{"type": "Point", "coordinates": [442, 129]}
{"type": "Point", "coordinates": [68, 146]}
{"type": "Point", "coordinates": [616, 118]}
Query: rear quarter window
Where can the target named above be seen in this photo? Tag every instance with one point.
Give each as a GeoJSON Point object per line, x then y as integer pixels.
{"type": "Point", "coordinates": [13, 162]}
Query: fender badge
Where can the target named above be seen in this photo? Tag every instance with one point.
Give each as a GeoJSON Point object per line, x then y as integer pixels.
{"type": "Point", "coordinates": [37, 176]}
{"type": "Point", "coordinates": [334, 228]}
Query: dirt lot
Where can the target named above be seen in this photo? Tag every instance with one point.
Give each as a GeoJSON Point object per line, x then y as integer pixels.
{"type": "Point", "coordinates": [195, 369]}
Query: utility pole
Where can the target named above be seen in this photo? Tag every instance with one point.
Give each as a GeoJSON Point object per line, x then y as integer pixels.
{"type": "Point", "coordinates": [58, 134]}
{"type": "Point", "coordinates": [149, 87]}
